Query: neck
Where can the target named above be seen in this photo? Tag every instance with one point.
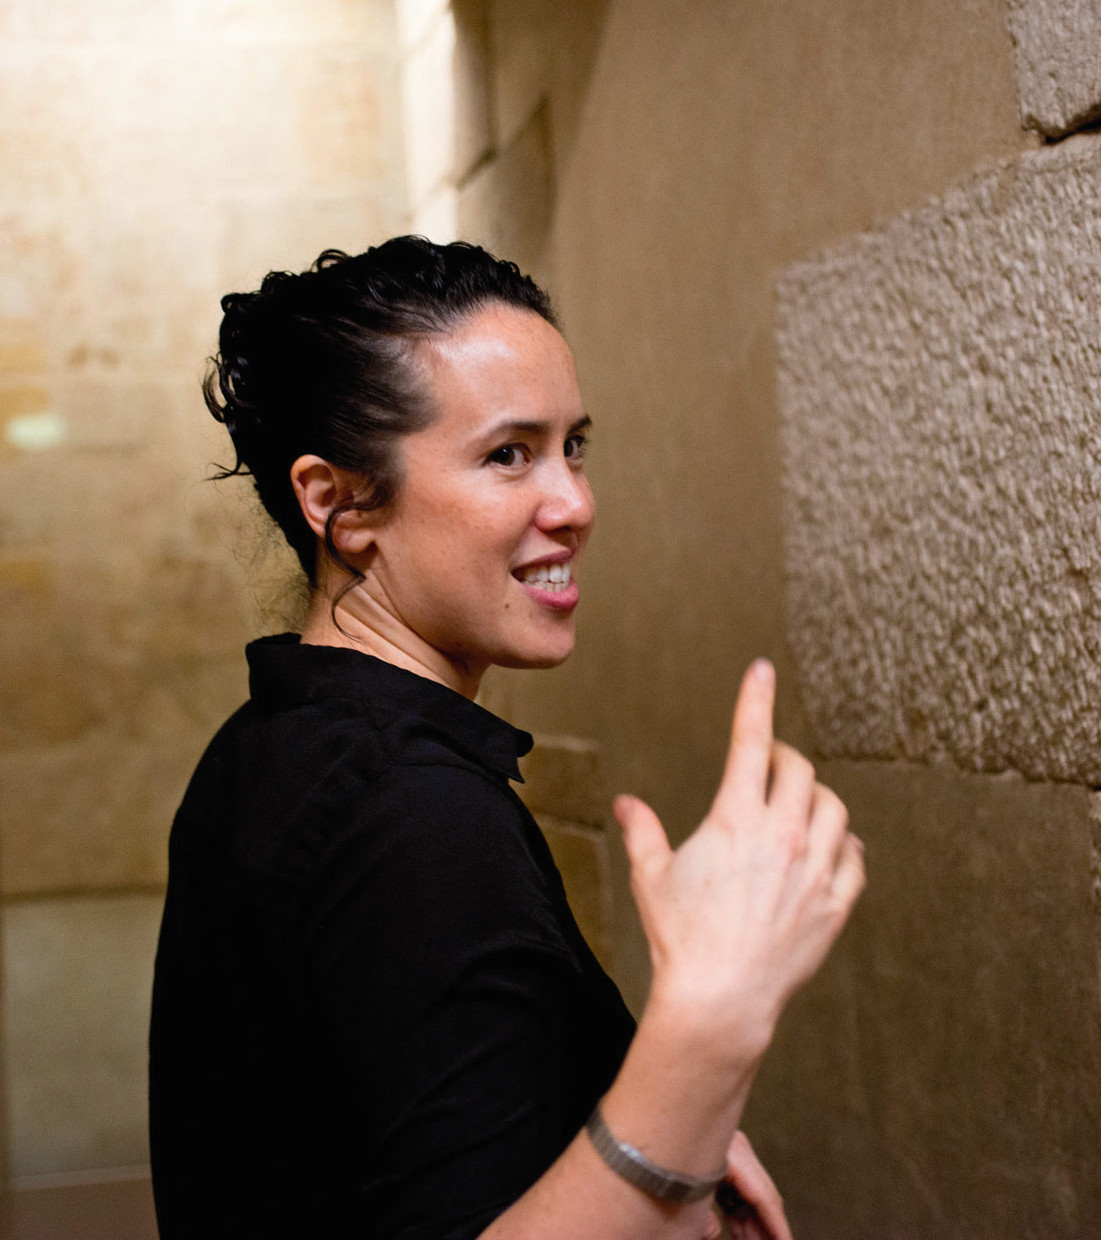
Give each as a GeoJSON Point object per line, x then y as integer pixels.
{"type": "Point", "coordinates": [362, 621]}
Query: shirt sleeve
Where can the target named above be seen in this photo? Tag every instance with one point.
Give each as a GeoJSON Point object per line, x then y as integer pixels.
{"type": "Point", "coordinates": [435, 982]}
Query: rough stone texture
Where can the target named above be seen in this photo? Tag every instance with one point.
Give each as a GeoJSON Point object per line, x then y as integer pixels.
{"type": "Point", "coordinates": [1095, 866]}
{"type": "Point", "coordinates": [78, 976]}
{"type": "Point", "coordinates": [1057, 46]}
{"type": "Point", "coordinates": [957, 1097]}
{"type": "Point", "coordinates": [939, 386]}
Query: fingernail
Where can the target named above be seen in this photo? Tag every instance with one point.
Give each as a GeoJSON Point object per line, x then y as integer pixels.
{"type": "Point", "coordinates": [763, 670]}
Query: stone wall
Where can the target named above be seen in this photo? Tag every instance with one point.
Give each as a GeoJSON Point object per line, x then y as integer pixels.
{"type": "Point", "coordinates": [835, 315]}
{"type": "Point", "coordinates": [152, 157]}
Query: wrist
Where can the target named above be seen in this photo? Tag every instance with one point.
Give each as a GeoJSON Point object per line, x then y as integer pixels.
{"type": "Point", "coordinates": [726, 1032]}
{"type": "Point", "coordinates": [679, 1097]}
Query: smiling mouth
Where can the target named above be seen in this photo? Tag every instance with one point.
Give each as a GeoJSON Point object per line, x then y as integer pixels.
{"type": "Point", "coordinates": [553, 578]}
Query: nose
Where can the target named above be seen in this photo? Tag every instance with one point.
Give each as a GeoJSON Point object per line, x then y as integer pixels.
{"type": "Point", "coordinates": [566, 501]}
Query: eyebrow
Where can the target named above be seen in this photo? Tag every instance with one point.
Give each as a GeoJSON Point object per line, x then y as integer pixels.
{"type": "Point", "coordinates": [504, 429]}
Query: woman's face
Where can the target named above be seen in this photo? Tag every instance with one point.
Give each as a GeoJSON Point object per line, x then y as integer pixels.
{"type": "Point", "coordinates": [478, 553]}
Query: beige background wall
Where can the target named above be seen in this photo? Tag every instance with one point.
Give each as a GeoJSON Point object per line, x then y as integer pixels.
{"type": "Point", "coordinates": [664, 166]}
{"type": "Point", "coordinates": [153, 156]}
{"type": "Point", "coordinates": [689, 179]}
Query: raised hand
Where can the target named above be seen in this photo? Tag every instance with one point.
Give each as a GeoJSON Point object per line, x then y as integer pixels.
{"type": "Point", "coordinates": [745, 910]}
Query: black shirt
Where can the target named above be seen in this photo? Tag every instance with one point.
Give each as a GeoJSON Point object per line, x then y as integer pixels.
{"type": "Point", "coordinates": [373, 1013]}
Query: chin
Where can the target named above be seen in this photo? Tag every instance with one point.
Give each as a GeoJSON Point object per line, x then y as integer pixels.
{"type": "Point", "coordinates": [536, 659]}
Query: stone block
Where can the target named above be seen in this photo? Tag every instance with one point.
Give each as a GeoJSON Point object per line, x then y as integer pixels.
{"type": "Point", "coordinates": [1095, 862]}
{"type": "Point", "coordinates": [116, 415]}
{"type": "Point", "coordinates": [581, 855]}
{"type": "Point", "coordinates": [525, 37]}
{"type": "Point", "coordinates": [45, 96]}
{"type": "Point", "coordinates": [43, 288]}
{"type": "Point", "coordinates": [286, 233]}
{"type": "Point", "coordinates": [360, 24]}
{"type": "Point", "coordinates": [348, 136]}
{"type": "Point", "coordinates": [21, 345]}
{"type": "Point", "coordinates": [508, 204]}
{"type": "Point", "coordinates": [22, 407]}
{"type": "Point", "coordinates": [77, 981]}
{"type": "Point", "coordinates": [1058, 68]}
{"type": "Point", "coordinates": [115, 1205]}
{"type": "Point", "coordinates": [428, 109]}
{"type": "Point", "coordinates": [70, 21]}
{"type": "Point", "coordinates": [44, 699]}
{"type": "Point", "coordinates": [939, 381]}
{"type": "Point", "coordinates": [564, 788]}
{"type": "Point", "coordinates": [148, 656]}
{"type": "Point", "coordinates": [159, 607]}
{"type": "Point", "coordinates": [939, 1077]}
{"type": "Point", "coordinates": [471, 72]}
{"type": "Point", "coordinates": [415, 20]}
{"type": "Point", "coordinates": [562, 776]}
{"type": "Point", "coordinates": [228, 116]}
{"type": "Point", "coordinates": [437, 217]}
{"type": "Point", "coordinates": [93, 814]}
{"type": "Point", "coordinates": [84, 503]}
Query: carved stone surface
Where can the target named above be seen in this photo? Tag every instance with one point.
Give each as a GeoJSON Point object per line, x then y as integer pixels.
{"type": "Point", "coordinates": [939, 387]}
{"type": "Point", "coordinates": [1056, 45]}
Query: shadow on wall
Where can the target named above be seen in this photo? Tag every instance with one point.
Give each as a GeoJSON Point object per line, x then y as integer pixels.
{"type": "Point", "coordinates": [512, 77]}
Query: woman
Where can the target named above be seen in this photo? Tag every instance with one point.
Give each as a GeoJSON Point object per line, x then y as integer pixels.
{"type": "Point", "coordinates": [373, 1013]}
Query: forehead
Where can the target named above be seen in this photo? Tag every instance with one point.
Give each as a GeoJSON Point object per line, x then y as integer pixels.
{"type": "Point", "coordinates": [502, 360]}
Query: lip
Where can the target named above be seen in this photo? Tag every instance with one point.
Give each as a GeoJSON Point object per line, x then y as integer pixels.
{"type": "Point", "coordinates": [555, 557]}
{"type": "Point", "coordinates": [555, 600]}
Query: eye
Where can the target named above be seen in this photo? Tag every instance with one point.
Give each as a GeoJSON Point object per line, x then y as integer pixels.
{"type": "Point", "coordinates": [510, 455]}
{"type": "Point", "coordinates": [576, 446]}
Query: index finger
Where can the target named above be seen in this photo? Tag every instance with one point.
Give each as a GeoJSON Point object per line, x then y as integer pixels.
{"type": "Point", "coordinates": [750, 754]}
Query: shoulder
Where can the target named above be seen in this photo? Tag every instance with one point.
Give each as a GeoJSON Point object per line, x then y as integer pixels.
{"type": "Point", "coordinates": [443, 823]}
{"type": "Point", "coordinates": [442, 854]}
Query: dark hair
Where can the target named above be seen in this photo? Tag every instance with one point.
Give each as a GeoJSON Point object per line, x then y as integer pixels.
{"type": "Point", "coordinates": [320, 363]}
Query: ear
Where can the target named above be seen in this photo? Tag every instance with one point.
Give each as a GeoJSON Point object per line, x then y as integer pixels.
{"type": "Point", "coordinates": [322, 487]}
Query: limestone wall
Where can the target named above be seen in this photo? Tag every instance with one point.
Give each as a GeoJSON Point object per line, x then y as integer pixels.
{"type": "Point", "coordinates": [835, 319]}
{"type": "Point", "coordinates": [152, 157]}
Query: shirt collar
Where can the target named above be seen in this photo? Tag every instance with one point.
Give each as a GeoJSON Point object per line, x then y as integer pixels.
{"type": "Point", "coordinates": [284, 672]}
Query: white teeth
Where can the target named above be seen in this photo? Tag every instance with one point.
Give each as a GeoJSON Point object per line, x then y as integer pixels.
{"type": "Point", "coordinates": [553, 577]}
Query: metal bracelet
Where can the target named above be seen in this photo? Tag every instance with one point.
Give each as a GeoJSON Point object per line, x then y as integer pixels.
{"type": "Point", "coordinates": [637, 1169]}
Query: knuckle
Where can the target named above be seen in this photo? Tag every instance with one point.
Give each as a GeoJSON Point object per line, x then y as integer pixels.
{"type": "Point", "coordinates": [793, 841]}
{"type": "Point", "coordinates": [832, 805]}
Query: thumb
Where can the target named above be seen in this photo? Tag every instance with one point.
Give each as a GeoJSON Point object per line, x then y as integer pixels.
{"type": "Point", "coordinates": [643, 835]}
